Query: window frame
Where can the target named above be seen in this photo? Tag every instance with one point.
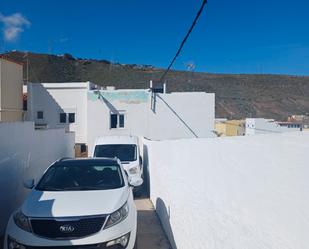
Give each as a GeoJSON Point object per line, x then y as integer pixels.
{"type": "Point", "coordinates": [37, 115]}
{"type": "Point", "coordinates": [66, 118]}
{"type": "Point", "coordinates": [117, 114]}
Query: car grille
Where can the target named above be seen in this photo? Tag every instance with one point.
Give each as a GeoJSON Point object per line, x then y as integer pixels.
{"type": "Point", "coordinates": [67, 228]}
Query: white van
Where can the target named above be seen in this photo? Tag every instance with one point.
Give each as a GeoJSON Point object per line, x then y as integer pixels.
{"type": "Point", "coordinates": [125, 148]}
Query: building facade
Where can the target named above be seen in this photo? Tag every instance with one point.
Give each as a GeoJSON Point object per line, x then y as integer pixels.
{"type": "Point", "coordinates": [256, 126]}
{"type": "Point", "coordinates": [91, 112]}
{"type": "Point", "coordinates": [230, 128]}
{"type": "Point", "coordinates": [11, 89]}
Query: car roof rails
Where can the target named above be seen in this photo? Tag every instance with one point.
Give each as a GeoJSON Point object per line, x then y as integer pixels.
{"type": "Point", "coordinates": [63, 159]}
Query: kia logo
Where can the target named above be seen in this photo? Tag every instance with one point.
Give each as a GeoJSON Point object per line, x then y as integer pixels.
{"type": "Point", "coordinates": [66, 229]}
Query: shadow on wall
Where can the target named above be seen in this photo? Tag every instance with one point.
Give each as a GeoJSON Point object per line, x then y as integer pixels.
{"type": "Point", "coordinates": [25, 156]}
{"type": "Point", "coordinates": [164, 215]}
{"type": "Point", "coordinates": [146, 184]}
{"type": "Point", "coordinates": [177, 115]}
{"type": "Point", "coordinates": [52, 111]}
{"type": "Point", "coordinates": [12, 167]}
{"type": "Point", "coordinates": [109, 105]}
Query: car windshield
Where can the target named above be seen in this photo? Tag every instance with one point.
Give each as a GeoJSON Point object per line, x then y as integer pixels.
{"type": "Point", "coordinates": [125, 152]}
{"type": "Point", "coordinates": [78, 177]}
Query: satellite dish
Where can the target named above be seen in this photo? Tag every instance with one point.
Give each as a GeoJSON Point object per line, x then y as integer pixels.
{"type": "Point", "coordinates": [190, 66]}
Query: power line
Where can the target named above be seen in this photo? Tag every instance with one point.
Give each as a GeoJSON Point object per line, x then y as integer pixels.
{"type": "Point", "coordinates": [185, 39]}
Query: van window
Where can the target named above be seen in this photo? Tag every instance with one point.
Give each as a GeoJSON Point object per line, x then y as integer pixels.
{"type": "Point", "coordinates": [125, 152]}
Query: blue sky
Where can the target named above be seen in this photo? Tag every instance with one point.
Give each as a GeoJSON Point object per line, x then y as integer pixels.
{"type": "Point", "coordinates": [240, 36]}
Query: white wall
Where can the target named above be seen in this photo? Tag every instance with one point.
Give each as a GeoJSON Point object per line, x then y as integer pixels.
{"type": "Point", "coordinates": [55, 98]}
{"type": "Point", "coordinates": [176, 115]}
{"type": "Point", "coordinates": [181, 115]}
{"type": "Point", "coordinates": [167, 116]}
{"type": "Point", "coordinates": [230, 193]}
{"type": "Point", "coordinates": [100, 105]}
{"type": "Point", "coordinates": [256, 126]}
{"type": "Point", "coordinates": [25, 153]}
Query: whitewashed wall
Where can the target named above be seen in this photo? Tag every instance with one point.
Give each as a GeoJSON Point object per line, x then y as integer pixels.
{"type": "Point", "coordinates": [168, 116]}
{"type": "Point", "coordinates": [55, 98]}
{"type": "Point", "coordinates": [231, 193]}
{"type": "Point", "coordinates": [25, 153]}
{"type": "Point", "coordinates": [181, 115]}
{"type": "Point", "coordinates": [101, 104]}
{"type": "Point", "coordinates": [255, 126]}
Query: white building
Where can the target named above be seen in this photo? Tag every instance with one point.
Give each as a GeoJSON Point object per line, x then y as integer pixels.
{"type": "Point", "coordinates": [263, 126]}
{"type": "Point", "coordinates": [91, 112]}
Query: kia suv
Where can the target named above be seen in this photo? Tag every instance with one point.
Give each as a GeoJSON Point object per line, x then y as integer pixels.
{"type": "Point", "coordinates": [78, 203]}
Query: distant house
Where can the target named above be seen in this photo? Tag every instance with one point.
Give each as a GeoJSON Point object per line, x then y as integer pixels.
{"type": "Point", "coordinates": [11, 84]}
{"type": "Point", "coordinates": [90, 111]}
{"type": "Point", "coordinates": [303, 120]}
{"type": "Point", "coordinates": [263, 126]}
{"type": "Point", "coordinates": [229, 128]}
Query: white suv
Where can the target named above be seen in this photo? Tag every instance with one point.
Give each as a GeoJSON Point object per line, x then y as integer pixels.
{"type": "Point", "coordinates": [78, 203]}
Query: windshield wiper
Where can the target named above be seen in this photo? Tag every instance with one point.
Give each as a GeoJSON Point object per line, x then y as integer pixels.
{"type": "Point", "coordinates": [82, 188]}
{"type": "Point", "coordinates": [50, 189]}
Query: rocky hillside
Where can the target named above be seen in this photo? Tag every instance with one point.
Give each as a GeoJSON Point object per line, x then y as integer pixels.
{"type": "Point", "coordinates": [237, 96]}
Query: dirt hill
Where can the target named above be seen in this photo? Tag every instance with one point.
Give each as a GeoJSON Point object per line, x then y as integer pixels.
{"type": "Point", "coordinates": [237, 96]}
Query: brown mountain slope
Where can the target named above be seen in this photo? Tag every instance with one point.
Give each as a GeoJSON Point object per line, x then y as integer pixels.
{"type": "Point", "coordinates": [237, 96]}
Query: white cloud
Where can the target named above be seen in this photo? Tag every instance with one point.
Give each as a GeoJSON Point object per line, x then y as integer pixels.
{"type": "Point", "coordinates": [13, 25]}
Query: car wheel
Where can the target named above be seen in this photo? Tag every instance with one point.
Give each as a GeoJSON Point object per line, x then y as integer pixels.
{"type": "Point", "coordinates": [138, 192]}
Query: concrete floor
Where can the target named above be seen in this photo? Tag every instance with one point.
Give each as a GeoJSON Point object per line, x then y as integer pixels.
{"type": "Point", "coordinates": [149, 231]}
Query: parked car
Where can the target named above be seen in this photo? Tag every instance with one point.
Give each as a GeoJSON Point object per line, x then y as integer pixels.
{"type": "Point", "coordinates": [126, 148]}
{"type": "Point", "coordinates": [78, 203]}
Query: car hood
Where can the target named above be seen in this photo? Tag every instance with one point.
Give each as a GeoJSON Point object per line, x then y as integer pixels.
{"type": "Point", "coordinates": [74, 203]}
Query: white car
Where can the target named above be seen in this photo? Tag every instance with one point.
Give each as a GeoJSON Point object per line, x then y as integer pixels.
{"type": "Point", "coordinates": [126, 148]}
{"type": "Point", "coordinates": [78, 203]}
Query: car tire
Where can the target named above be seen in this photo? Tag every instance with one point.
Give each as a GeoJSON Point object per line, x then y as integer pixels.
{"type": "Point", "coordinates": [138, 192]}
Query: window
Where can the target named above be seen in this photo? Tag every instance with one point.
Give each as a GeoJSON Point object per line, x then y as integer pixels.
{"type": "Point", "coordinates": [121, 120]}
{"type": "Point", "coordinates": [71, 117]}
{"type": "Point", "coordinates": [117, 120]}
{"type": "Point", "coordinates": [40, 115]}
{"type": "Point", "coordinates": [114, 121]}
{"type": "Point", "coordinates": [63, 118]}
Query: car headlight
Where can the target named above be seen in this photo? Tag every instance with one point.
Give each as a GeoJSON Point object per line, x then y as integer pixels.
{"type": "Point", "coordinates": [134, 170]}
{"type": "Point", "coordinates": [22, 221]}
{"type": "Point", "coordinates": [118, 216]}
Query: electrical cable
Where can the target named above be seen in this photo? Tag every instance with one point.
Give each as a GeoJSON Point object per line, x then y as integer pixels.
{"type": "Point", "coordinates": [184, 40]}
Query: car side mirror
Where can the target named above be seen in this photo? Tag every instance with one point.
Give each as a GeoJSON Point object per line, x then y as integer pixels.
{"type": "Point", "coordinates": [135, 181]}
{"type": "Point", "coordinates": [29, 184]}
{"type": "Point", "coordinates": [140, 160]}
